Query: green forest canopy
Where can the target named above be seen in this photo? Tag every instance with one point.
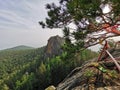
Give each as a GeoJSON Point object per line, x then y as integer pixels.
{"type": "Point", "coordinates": [28, 70]}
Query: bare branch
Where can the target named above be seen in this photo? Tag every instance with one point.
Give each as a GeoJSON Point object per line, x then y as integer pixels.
{"type": "Point", "coordinates": [103, 40]}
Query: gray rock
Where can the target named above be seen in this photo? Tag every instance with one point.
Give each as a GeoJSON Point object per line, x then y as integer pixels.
{"type": "Point", "coordinates": [92, 76]}
{"type": "Point", "coordinates": [53, 47]}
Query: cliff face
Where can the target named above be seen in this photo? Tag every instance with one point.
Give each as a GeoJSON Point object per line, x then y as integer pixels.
{"type": "Point", "coordinates": [53, 47]}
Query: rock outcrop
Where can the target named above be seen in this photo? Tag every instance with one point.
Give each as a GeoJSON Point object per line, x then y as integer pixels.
{"type": "Point", "coordinates": [53, 47]}
{"type": "Point", "coordinates": [92, 75]}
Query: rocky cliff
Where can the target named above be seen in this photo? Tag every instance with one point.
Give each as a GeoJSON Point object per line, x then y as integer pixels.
{"type": "Point", "coordinates": [53, 47]}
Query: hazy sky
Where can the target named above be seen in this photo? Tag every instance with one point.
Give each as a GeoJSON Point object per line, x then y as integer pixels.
{"type": "Point", "coordinates": [19, 23]}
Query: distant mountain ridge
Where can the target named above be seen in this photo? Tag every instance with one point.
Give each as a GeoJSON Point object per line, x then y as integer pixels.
{"type": "Point", "coordinates": [20, 47]}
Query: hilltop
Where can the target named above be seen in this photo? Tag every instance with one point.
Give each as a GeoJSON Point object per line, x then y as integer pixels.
{"type": "Point", "coordinates": [20, 47]}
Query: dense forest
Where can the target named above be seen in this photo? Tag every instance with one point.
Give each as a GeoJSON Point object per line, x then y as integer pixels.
{"type": "Point", "coordinates": [28, 70]}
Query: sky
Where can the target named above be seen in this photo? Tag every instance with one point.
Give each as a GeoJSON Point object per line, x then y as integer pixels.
{"type": "Point", "coordinates": [19, 23]}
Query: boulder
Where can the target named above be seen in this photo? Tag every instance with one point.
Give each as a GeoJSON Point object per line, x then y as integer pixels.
{"type": "Point", "coordinates": [50, 88]}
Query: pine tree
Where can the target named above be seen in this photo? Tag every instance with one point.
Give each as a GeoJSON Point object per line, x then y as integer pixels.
{"type": "Point", "coordinates": [88, 16]}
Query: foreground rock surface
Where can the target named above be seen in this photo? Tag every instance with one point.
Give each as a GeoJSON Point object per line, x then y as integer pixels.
{"type": "Point", "coordinates": [92, 75]}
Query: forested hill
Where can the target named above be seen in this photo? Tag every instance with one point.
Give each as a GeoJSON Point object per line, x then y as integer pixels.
{"type": "Point", "coordinates": [15, 62]}
{"type": "Point", "coordinates": [30, 70]}
{"type": "Point", "coordinates": [21, 47]}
